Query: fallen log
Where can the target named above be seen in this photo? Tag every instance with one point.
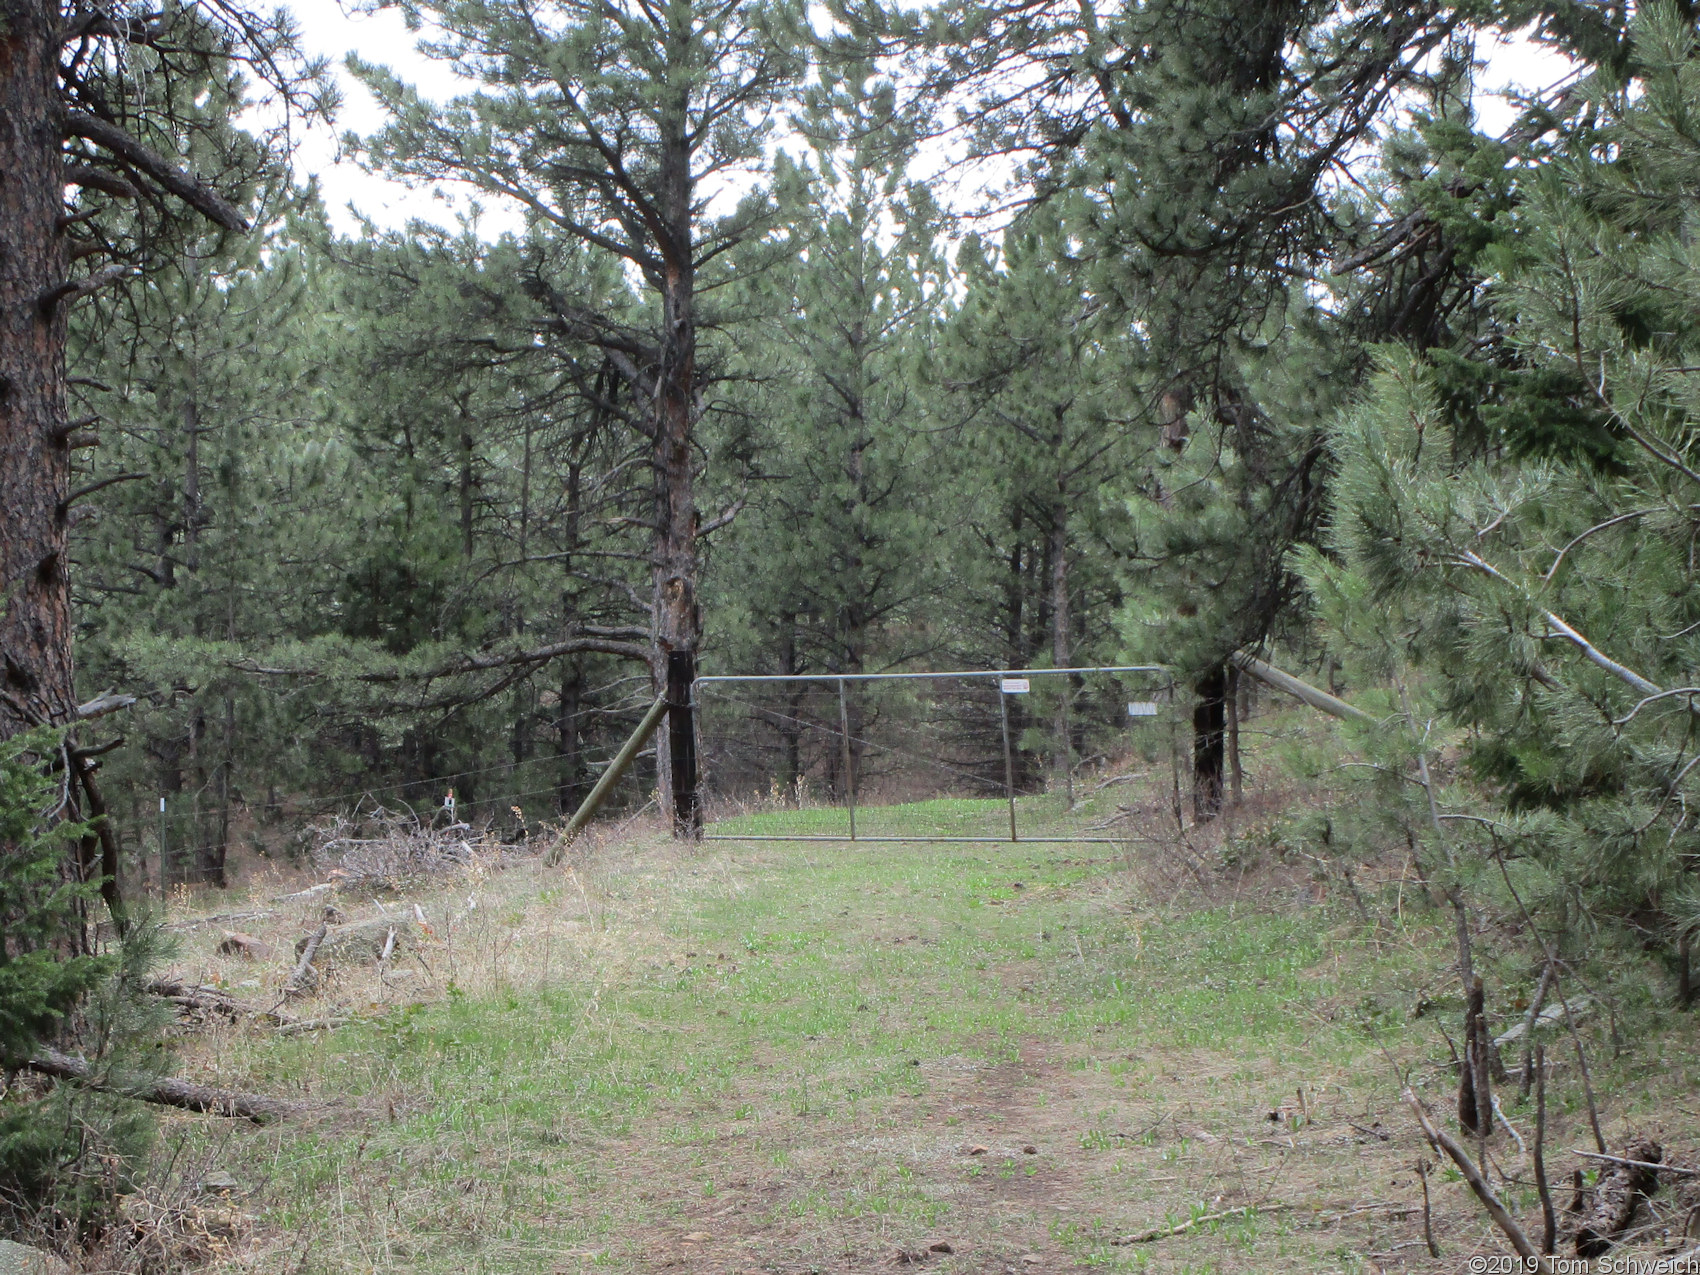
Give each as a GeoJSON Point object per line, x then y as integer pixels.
{"type": "Point", "coordinates": [206, 999]}
{"type": "Point", "coordinates": [166, 1091]}
{"type": "Point", "coordinates": [1616, 1196]}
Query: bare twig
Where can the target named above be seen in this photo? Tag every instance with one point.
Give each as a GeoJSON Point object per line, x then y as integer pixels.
{"type": "Point", "coordinates": [1638, 1164]}
{"type": "Point", "coordinates": [100, 484]}
{"type": "Point", "coordinates": [1582, 1059]}
{"type": "Point", "coordinates": [1529, 1021]}
{"type": "Point", "coordinates": [1164, 1232]}
{"type": "Point", "coordinates": [1549, 1222]}
{"type": "Point", "coordinates": [1428, 1214]}
{"type": "Point", "coordinates": [73, 290]}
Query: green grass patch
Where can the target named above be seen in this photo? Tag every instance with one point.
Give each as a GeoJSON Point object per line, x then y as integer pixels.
{"type": "Point", "coordinates": [792, 1051]}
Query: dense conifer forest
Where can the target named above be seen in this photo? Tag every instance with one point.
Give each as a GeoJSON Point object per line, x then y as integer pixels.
{"type": "Point", "coordinates": [1277, 345]}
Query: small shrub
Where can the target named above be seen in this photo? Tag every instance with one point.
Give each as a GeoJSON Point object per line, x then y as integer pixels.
{"type": "Point", "coordinates": [65, 1150]}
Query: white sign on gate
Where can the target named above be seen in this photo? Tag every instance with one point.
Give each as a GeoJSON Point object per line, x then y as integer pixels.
{"type": "Point", "coordinates": [1014, 686]}
{"type": "Point", "coordinates": [1142, 708]}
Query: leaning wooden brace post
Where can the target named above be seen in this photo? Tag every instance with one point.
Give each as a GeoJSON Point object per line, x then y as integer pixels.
{"type": "Point", "coordinates": [1304, 692]}
{"type": "Point", "coordinates": [622, 762]}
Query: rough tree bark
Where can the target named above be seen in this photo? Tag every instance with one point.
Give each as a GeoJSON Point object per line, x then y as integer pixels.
{"type": "Point", "coordinates": [1236, 772]}
{"type": "Point", "coordinates": [1209, 733]}
{"type": "Point", "coordinates": [1616, 1197]}
{"type": "Point", "coordinates": [35, 460]}
{"type": "Point", "coordinates": [673, 563]}
{"type": "Point", "coordinates": [37, 288]}
{"type": "Point", "coordinates": [1475, 1097]}
{"type": "Point", "coordinates": [570, 785]}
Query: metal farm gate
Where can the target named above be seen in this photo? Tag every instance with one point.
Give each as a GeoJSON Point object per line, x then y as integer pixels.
{"type": "Point", "coordinates": [838, 758]}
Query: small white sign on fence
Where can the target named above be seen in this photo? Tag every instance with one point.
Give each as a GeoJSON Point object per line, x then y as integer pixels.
{"type": "Point", "coordinates": [1014, 686]}
{"type": "Point", "coordinates": [1142, 708]}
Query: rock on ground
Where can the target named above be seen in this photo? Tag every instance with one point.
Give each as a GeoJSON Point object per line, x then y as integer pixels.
{"type": "Point", "coordinates": [21, 1259]}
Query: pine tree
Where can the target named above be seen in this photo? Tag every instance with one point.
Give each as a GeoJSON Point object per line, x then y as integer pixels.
{"type": "Point", "coordinates": [1035, 366]}
{"type": "Point", "coordinates": [834, 561]}
{"type": "Point", "coordinates": [67, 119]}
{"type": "Point", "coordinates": [611, 125]}
{"type": "Point", "coordinates": [1514, 522]}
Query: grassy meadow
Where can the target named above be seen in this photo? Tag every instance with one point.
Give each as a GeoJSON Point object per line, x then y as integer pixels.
{"type": "Point", "coordinates": [809, 1057]}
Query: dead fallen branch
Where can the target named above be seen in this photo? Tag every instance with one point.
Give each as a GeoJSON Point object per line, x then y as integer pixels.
{"type": "Point", "coordinates": [297, 983]}
{"type": "Point", "coordinates": [165, 1091]}
{"type": "Point", "coordinates": [1440, 1140]}
{"type": "Point", "coordinates": [311, 892]}
{"type": "Point", "coordinates": [200, 996]}
{"type": "Point", "coordinates": [301, 1025]}
{"type": "Point", "coordinates": [1164, 1232]}
{"type": "Point", "coordinates": [221, 918]}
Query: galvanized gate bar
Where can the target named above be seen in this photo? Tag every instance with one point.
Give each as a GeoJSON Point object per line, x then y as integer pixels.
{"type": "Point", "coordinates": [949, 841]}
{"type": "Point", "coordinates": [959, 673]}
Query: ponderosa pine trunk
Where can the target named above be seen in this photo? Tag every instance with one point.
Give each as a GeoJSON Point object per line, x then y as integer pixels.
{"type": "Point", "coordinates": [678, 620]}
{"type": "Point", "coordinates": [35, 603]}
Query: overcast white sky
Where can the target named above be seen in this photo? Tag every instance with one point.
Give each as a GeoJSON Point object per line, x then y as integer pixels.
{"type": "Point", "coordinates": [330, 29]}
{"type": "Point", "coordinates": [333, 30]}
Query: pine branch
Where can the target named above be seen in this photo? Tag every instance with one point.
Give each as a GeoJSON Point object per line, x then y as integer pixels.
{"type": "Point", "coordinates": [163, 172]}
{"type": "Point", "coordinates": [74, 290]}
{"type": "Point", "coordinates": [92, 178]}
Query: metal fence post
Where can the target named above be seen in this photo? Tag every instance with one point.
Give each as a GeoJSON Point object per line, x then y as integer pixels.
{"type": "Point", "coordinates": [849, 778]}
{"type": "Point", "coordinates": [1008, 757]}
